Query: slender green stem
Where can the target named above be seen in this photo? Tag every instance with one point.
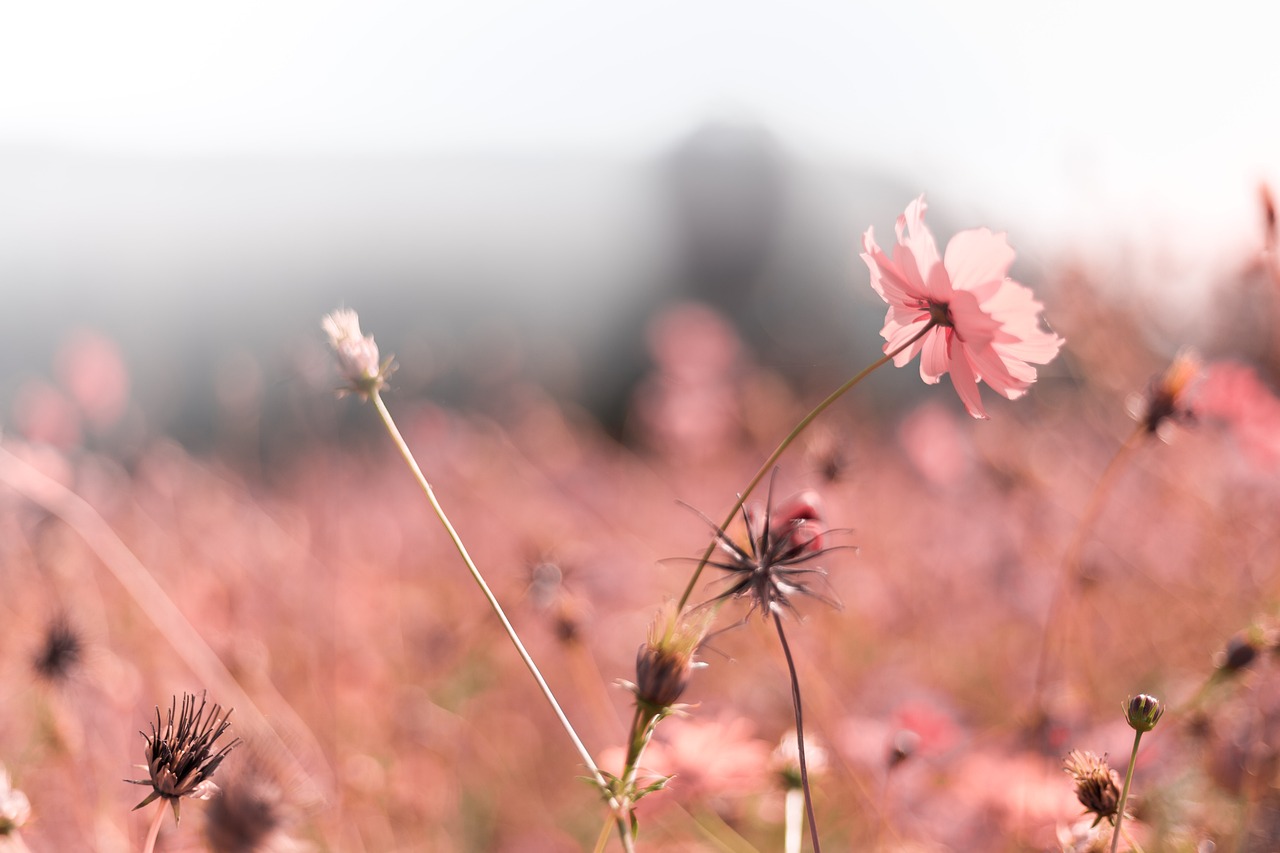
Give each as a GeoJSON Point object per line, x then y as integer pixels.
{"type": "Point", "coordinates": [786, 442]}
{"type": "Point", "coordinates": [1124, 792]}
{"type": "Point", "coordinates": [804, 769]}
{"type": "Point", "coordinates": [590, 763]}
{"type": "Point", "coordinates": [154, 832]}
{"type": "Point", "coordinates": [1071, 560]}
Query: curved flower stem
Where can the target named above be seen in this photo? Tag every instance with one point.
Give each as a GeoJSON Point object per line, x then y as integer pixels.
{"type": "Point", "coordinates": [154, 832]}
{"type": "Point", "coordinates": [1124, 793]}
{"type": "Point", "coordinates": [617, 808]}
{"type": "Point", "coordinates": [1071, 560]}
{"type": "Point", "coordinates": [787, 442]}
{"type": "Point", "coordinates": [804, 769]}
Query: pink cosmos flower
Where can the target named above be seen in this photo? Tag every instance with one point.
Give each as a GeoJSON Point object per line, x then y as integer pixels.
{"type": "Point", "coordinates": [986, 326]}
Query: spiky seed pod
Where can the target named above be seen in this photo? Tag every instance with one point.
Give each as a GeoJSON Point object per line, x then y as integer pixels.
{"type": "Point", "coordinates": [180, 753]}
{"type": "Point", "coordinates": [774, 564]}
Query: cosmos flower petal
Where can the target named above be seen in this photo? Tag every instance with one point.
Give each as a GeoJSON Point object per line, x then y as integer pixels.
{"type": "Point", "coordinates": [978, 259]}
{"type": "Point", "coordinates": [900, 336]}
{"type": "Point", "coordinates": [915, 235]}
{"type": "Point", "coordinates": [965, 381]}
{"type": "Point", "coordinates": [997, 373]}
{"type": "Point", "coordinates": [935, 358]}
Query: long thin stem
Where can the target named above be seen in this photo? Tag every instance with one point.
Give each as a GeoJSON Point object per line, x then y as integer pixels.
{"type": "Point", "coordinates": [787, 442]}
{"type": "Point", "coordinates": [587, 760]}
{"type": "Point", "coordinates": [804, 768]}
{"type": "Point", "coordinates": [154, 832]}
{"type": "Point", "coordinates": [1124, 792]}
{"type": "Point", "coordinates": [1071, 559]}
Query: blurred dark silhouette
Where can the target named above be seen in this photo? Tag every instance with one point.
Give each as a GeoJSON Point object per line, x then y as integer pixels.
{"type": "Point", "coordinates": [477, 271]}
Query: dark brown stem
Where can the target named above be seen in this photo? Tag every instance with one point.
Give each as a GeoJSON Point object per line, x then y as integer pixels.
{"type": "Point", "coordinates": [804, 768]}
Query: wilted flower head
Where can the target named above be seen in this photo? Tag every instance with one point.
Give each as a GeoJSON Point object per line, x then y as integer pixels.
{"type": "Point", "coordinates": [180, 753]}
{"type": "Point", "coordinates": [985, 326]}
{"type": "Point", "coordinates": [780, 544]}
{"type": "Point", "coordinates": [1097, 785]}
{"type": "Point", "coordinates": [15, 808]}
{"type": "Point", "coordinates": [665, 661]}
{"type": "Point", "coordinates": [357, 353]}
{"type": "Point", "coordinates": [60, 651]}
{"type": "Point", "coordinates": [1168, 397]}
{"type": "Point", "coordinates": [1143, 712]}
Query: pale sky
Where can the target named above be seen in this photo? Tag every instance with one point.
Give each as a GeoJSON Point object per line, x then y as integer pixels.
{"type": "Point", "coordinates": [1085, 116]}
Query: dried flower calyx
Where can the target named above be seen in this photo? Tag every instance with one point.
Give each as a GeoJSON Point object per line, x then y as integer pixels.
{"type": "Point", "coordinates": [357, 354]}
{"type": "Point", "coordinates": [1097, 785]}
{"type": "Point", "coordinates": [181, 754]}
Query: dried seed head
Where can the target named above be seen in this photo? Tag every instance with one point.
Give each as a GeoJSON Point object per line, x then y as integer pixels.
{"type": "Point", "coordinates": [1097, 785]}
{"type": "Point", "coordinates": [15, 808]}
{"type": "Point", "coordinates": [180, 753]}
{"type": "Point", "coordinates": [59, 653]}
{"type": "Point", "coordinates": [1143, 712]}
{"type": "Point", "coordinates": [773, 566]}
{"type": "Point", "coordinates": [357, 354]}
{"type": "Point", "coordinates": [665, 661]}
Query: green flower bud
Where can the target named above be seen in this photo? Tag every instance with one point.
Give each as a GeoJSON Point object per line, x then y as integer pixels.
{"type": "Point", "coordinates": [1143, 712]}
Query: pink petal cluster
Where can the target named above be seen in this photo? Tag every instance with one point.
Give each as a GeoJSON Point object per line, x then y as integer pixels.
{"type": "Point", "coordinates": [985, 326]}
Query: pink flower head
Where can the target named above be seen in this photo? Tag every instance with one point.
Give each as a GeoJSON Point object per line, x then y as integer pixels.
{"type": "Point", "coordinates": [982, 325]}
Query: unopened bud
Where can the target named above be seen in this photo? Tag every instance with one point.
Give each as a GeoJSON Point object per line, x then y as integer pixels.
{"type": "Point", "coordinates": [664, 663]}
{"type": "Point", "coordinates": [1143, 712]}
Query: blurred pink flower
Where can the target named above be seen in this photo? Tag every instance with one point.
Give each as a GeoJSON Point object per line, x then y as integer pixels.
{"type": "Point", "coordinates": [987, 326]}
{"type": "Point", "coordinates": [707, 758]}
{"type": "Point", "coordinates": [1233, 393]}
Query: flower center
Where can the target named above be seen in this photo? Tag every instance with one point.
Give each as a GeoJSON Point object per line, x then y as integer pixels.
{"type": "Point", "coordinates": [940, 314]}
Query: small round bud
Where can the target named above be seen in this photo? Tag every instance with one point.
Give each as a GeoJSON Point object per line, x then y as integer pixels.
{"type": "Point", "coordinates": [1143, 712]}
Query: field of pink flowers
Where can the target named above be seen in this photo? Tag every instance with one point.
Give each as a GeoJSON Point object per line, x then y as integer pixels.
{"type": "Point", "coordinates": [1005, 586]}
